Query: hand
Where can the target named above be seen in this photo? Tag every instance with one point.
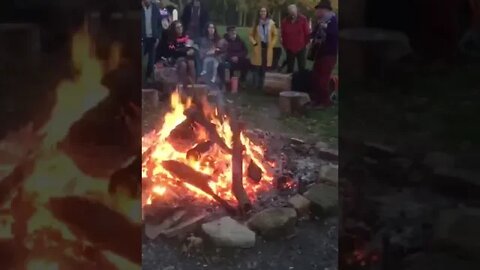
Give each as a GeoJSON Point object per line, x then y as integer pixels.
{"type": "Point", "coordinates": [190, 52]}
{"type": "Point", "coordinates": [235, 59]}
{"type": "Point", "coordinates": [157, 41]}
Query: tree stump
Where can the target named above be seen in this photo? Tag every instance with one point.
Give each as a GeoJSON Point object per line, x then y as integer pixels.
{"type": "Point", "coordinates": [291, 102]}
{"type": "Point", "coordinates": [19, 41]}
{"type": "Point", "coordinates": [275, 83]}
{"type": "Point", "coordinates": [150, 98]}
{"type": "Point", "coordinates": [368, 52]}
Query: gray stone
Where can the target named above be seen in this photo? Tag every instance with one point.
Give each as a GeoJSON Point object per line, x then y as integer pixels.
{"type": "Point", "coordinates": [321, 145]}
{"type": "Point", "coordinates": [459, 230]}
{"type": "Point", "coordinates": [227, 232]}
{"type": "Point", "coordinates": [436, 160]}
{"type": "Point", "coordinates": [330, 173]}
{"type": "Point", "coordinates": [323, 197]}
{"type": "Point", "coordinates": [300, 203]}
{"type": "Point", "coordinates": [274, 222]}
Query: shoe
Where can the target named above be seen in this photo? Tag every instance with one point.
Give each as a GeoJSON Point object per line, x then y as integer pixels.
{"type": "Point", "coordinates": [213, 80]}
{"type": "Point", "coordinates": [203, 73]}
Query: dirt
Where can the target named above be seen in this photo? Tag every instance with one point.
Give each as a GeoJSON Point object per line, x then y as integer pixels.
{"type": "Point", "coordinates": [313, 247]}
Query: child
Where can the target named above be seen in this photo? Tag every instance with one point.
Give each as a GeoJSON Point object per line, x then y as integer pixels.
{"type": "Point", "coordinates": [210, 48]}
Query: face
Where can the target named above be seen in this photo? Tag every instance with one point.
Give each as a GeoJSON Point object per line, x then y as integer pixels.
{"type": "Point", "coordinates": [146, 2]}
{"type": "Point", "coordinates": [292, 11]}
{"type": "Point", "coordinates": [211, 29]}
{"type": "Point", "coordinates": [263, 13]}
{"type": "Point", "coordinates": [321, 12]}
{"type": "Point", "coordinates": [179, 29]}
{"type": "Point", "coordinates": [232, 34]}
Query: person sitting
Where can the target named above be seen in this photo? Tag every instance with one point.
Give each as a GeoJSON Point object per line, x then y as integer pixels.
{"type": "Point", "coordinates": [210, 51]}
{"type": "Point", "coordinates": [236, 53]}
{"type": "Point", "coordinates": [181, 51]}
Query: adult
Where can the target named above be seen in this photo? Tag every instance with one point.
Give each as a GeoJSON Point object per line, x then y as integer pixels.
{"type": "Point", "coordinates": [210, 52]}
{"type": "Point", "coordinates": [295, 38]}
{"type": "Point", "coordinates": [263, 37]}
{"type": "Point", "coordinates": [195, 18]}
{"type": "Point", "coordinates": [166, 18]}
{"type": "Point", "coordinates": [324, 52]}
{"type": "Point", "coordinates": [180, 49]}
{"type": "Point", "coordinates": [236, 53]}
{"type": "Point", "coordinates": [150, 33]}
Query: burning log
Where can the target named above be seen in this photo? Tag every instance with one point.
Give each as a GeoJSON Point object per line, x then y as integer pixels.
{"type": "Point", "coordinates": [201, 148]}
{"type": "Point", "coordinates": [184, 131]}
{"type": "Point", "coordinates": [100, 225]}
{"type": "Point", "coordinates": [237, 165]}
{"type": "Point", "coordinates": [254, 172]}
{"type": "Point", "coordinates": [127, 179]}
{"type": "Point", "coordinates": [197, 179]}
{"type": "Point", "coordinates": [199, 118]}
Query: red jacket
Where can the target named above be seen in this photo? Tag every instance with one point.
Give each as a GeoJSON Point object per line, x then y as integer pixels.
{"type": "Point", "coordinates": [295, 34]}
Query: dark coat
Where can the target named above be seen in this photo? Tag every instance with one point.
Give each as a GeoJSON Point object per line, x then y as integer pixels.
{"type": "Point", "coordinates": [156, 23]}
{"type": "Point", "coordinates": [187, 15]}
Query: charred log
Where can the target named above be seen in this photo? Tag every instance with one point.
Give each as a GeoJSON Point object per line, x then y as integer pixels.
{"type": "Point", "coordinates": [199, 118]}
{"type": "Point", "coordinates": [200, 149]}
{"type": "Point", "coordinates": [100, 225]}
{"type": "Point", "coordinates": [238, 189]}
{"type": "Point", "coordinates": [192, 177]}
{"type": "Point", "coordinates": [127, 179]}
{"type": "Point", "coordinates": [254, 172]}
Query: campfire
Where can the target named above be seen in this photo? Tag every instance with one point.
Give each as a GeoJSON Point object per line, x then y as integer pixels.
{"type": "Point", "coordinates": [47, 193]}
{"type": "Point", "coordinates": [201, 154]}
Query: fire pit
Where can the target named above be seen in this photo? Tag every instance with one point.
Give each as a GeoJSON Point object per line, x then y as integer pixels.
{"type": "Point", "coordinates": [202, 155]}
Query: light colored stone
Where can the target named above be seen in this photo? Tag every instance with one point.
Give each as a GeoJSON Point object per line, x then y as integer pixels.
{"type": "Point", "coordinates": [300, 203]}
{"type": "Point", "coordinates": [329, 173]}
{"type": "Point", "coordinates": [227, 232]}
{"type": "Point", "coordinates": [459, 230]}
{"type": "Point", "coordinates": [324, 197]}
{"type": "Point", "coordinates": [274, 222]}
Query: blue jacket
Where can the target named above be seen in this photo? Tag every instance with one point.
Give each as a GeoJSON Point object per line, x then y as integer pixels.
{"type": "Point", "coordinates": [156, 23]}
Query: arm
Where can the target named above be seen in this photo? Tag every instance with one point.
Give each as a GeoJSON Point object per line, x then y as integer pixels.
{"type": "Point", "coordinates": [252, 37]}
{"type": "Point", "coordinates": [282, 28]}
{"type": "Point", "coordinates": [306, 31]}
{"type": "Point", "coordinates": [274, 35]}
{"type": "Point", "coordinates": [244, 52]}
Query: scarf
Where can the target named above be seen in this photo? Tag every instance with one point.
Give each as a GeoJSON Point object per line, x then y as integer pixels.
{"type": "Point", "coordinates": [264, 30]}
{"type": "Point", "coordinates": [321, 33]}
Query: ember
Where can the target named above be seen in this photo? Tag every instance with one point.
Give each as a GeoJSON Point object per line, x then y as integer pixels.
{"type": "Point", "coordinates": [191, 156]}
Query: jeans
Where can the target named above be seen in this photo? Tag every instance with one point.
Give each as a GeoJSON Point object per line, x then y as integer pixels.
{"type": "Point", "coordinates": [299, 56]}
{"type": "Point", "coordinates": [149, 50]}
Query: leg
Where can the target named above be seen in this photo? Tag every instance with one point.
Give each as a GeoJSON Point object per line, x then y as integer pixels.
{"type": "Point", "coordinates": [182, 71]}
{"type": "Point", "coordinates": [301, 60]}
{"type": "Point", "coordinates": [192, 74]}
{"type": "Point", "coordinates": [215, 69]}
{"type": "Point", "coordinates": [290, 61]}
{"type": "Point", "coordinates": [150, 51]}
{"type": "Point", "coordinates": [206, 61]}
{"type": "Point", "coordinates": [321, 77]}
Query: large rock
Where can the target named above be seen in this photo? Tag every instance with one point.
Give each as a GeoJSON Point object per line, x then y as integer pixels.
{"type": "Point", "coordinates": [300, 203]}
{"type": "Point", "coordinates": [227, 232]}
{"type": "Point", "coordinates": [459, 231]}
{"type": "Point", "coordinates": [274, 222]}
{"type": "Point", "coordinates": [329, 173]}
{"type": "Point", "coordinates": [324, 198]}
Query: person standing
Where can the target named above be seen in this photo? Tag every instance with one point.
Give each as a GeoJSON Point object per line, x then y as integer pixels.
{"type": "Point", "coordinates": [324, 52]}
{"type": "Point", "coordinates": [195, 18]}
{"type": "Point", "coordinates": [166, 18]}
{"type": "Point", "coordinates": [150, 33]}
{"type": "Point", "coordinates": [295, 38]}
{"type": "Point", "coordinates": [263, 37]}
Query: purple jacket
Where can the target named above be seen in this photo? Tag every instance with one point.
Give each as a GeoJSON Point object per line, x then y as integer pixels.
{"type": "Point", "coordinates": [236, 48]}
{"type": "Point", "coordinates": [330, 45]}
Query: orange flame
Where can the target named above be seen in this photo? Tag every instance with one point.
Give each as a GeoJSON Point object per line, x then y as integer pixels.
{"type": "Point", "coordinates": [215, 163]}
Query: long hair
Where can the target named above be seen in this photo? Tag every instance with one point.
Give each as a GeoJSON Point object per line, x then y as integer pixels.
{"type": "Point", "coordinates": [172, 31]}
{"type": "Point", "coordinates": [257, 20]}
{"type": "Point", "coordinates": [216, 37]}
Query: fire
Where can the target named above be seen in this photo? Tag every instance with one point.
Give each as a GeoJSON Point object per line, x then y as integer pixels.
{"type": "Point", "coordinates": [216, 162]}
{"type": "Point", "coordinates": [55, 175]}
